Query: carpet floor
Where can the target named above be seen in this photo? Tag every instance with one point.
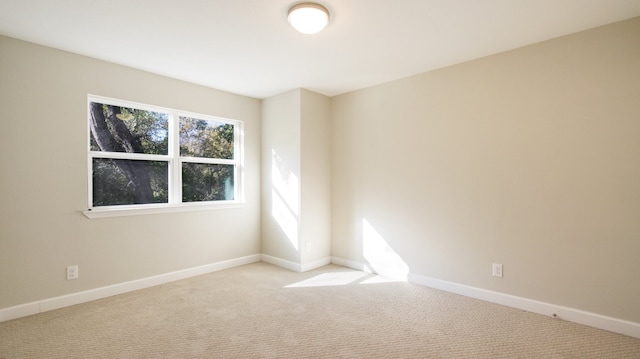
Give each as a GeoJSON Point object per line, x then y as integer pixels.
{"type": "Point", "coordinates": [263, 311]}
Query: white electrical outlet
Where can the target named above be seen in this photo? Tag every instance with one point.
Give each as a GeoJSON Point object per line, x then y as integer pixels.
{"type": "Point", "coordinates": [308, 246]}
{"type": "Point", "coordinates": [72, 272]}
{"type": "Point", "coordinates": [497, 270]}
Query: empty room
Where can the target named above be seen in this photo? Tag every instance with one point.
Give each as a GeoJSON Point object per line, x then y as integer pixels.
{"type": "Point", "coordinates": [326, 179]}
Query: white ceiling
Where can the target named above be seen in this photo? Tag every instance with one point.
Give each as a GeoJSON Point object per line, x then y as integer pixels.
{"type": "Point", "coordinates": [247, 47]}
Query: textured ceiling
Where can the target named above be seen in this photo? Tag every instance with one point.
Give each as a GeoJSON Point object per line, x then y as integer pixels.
{"type": "Point", "coordinates": [247, 47]}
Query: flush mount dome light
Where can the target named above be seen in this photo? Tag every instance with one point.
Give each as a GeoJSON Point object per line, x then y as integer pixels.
{"type": "Point", "coordinates": [308, 17]}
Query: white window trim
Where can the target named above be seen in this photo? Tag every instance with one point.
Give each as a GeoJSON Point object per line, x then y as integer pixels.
{"type": "Point", "coordinates": [142, 209]}
{"type": "Point", "coordinates": [174, 161]}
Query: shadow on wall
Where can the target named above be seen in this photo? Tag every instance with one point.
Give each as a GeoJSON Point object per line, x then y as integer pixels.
{"type": "Point", "coordinates": [284, 198]}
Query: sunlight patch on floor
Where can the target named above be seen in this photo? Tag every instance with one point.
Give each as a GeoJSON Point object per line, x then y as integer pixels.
{"type": "Point", "coordinates": [378, 279]}
{"type": "Point", "coordinates": [330, 279]}
{"type": "Point", "coordinates": [342, 278]}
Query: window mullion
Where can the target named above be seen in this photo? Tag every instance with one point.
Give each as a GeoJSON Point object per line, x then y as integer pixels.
{"type": "Point", "coordinates": [213, 161]}
{"type": "Point", "coordinates": [128, 156]}
{"type": "Point", "coordinates": [239, 158]}
{"type": "Point", "coordinates": [175, 178]}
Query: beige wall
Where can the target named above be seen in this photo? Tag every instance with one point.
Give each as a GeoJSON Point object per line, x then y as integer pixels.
{"type": "Point", "coordinates": [296, 178]}
{"type": "Point", "coordinates": [315, 177]}
{"type": "Point", "coordinates": [43, 181]}
{"type": "Point", "coordinates": [529, 158]}
{"type": "Point", "coordinates": [281, 176]}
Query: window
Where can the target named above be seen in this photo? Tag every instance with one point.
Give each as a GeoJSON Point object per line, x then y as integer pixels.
{"type": "Point", "coordinates": [142, 156]}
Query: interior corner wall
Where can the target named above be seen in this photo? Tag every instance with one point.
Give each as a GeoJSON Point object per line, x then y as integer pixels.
{"type": "Point", "coordinates": [43, 156]}
{"type": "Point", "coordinates": [315, 176]}
{"type": "Point", "coordinates": [296, 179]}
{"type": "Point", "coordinates": [528, 158]}
{"type": "Point", "coordinates": [281, 176]}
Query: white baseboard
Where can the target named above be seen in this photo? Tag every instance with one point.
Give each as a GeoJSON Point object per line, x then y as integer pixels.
{"type": "Point", "coordinates": [44, 305]}
{"type": "Point", "coordinates": [573, 315]}
{"type": "Point", "coordinates": [292, 266]}
{"type": "Point", "coordinates": [570, 314]}
{"type": "Point", "coordinates": [316, 264]}
{"type": "Point", "coordinates": [352, 264]}
{"type": "Point", "coordinates": [296, 267]}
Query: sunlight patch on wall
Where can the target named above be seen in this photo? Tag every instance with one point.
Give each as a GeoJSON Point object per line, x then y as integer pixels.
{"type": "Point", "coordinates": [284, 198]}
{"type": "Point", "coordinates": [284, 182]}
{"type": "Point", "coordinates": [380, 256]}
{"type": "Point", "coordinates": [285, 219]}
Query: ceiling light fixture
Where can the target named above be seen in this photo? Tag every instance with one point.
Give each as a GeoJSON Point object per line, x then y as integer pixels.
{"type": "Point", "coordinates": [308, 17]}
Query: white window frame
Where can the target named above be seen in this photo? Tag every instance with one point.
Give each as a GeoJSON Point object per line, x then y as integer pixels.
{"type": "Point", "coordinates": [174, 161]}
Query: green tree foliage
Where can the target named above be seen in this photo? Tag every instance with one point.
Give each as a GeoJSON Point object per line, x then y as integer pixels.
{"type": "Point", "coordinates": [121, 129]}
{"type": "Point", "coordinates": [206, 139]}
{"type": "Point", "coordinates": [206, 182]}
{"type": "Point", "coordinates": [149, 129]}
{"type": "Point", "coordinates": [112, 187]}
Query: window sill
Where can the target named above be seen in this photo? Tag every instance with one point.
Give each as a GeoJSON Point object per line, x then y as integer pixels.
{"type": "Point", "coordinates": [128, 211]}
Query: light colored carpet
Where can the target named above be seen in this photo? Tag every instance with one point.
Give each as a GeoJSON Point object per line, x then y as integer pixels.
{"type": "Point", "coordinates": [262, 311]}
